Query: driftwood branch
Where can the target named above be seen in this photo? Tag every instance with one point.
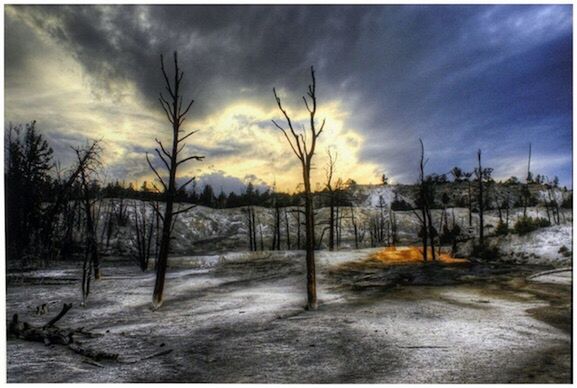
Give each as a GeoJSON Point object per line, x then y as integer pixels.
{"type": "Point", "coordinates": [62, 312]}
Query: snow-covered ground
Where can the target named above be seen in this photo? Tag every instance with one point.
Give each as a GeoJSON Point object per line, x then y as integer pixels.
{"type": "Point", "coordinates": [551, 245]}
{"type": "Point", "coordinates": [240, 318]}
{"type": "Point", "coordinates": [545, 246]}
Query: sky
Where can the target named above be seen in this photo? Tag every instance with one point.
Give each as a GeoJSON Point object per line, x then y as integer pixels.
{"type": "Point", "coordinates": [462, 78]}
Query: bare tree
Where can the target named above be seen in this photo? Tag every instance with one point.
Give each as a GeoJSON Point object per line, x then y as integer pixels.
{"type": "Point", "coordinates": [355, 226]}
{"type": "Point", "coordinates": [425, 197]}
{"type": "Point", "coordinates": [276, 235]}
{"type": "Point", "coordinates": [329, 172]}
{"type": "Point", "coordinates": [144, 231]}
{"type": "Point", "coordinates": [526, 194]}
{"type": "Point", "coordinates": [287, 230]}
{"type": "Point", "coordinates": [381, 222]}
{"type": "Point", "coordinates": [481, 175]}
{"type": "Point", "coordinates": [171, 161]}
{"type": "Point", "coordinates": [251, 223]}
{"type": "Point", "coordinates": [304, 149]}
{"type": "Point", "coordinates": [393, 223]}
{"type": "Point", "coordinates": [88, 162]}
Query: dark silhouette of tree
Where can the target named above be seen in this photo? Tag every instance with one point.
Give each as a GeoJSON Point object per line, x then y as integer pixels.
{"type": "Point", "coordinates": [457, 174]}
{"type": "Point", "coordinates": [144, 228]}
{"type": "Point", "coordinates": [221, 200]}
{"type": "Point", "coordinates": [28, 184]}
{"type": "Point", "coordinates": [424, 200]}
{"type": "Point", "coordinates": [89, 162]}
{"type": "Point", "coordinates": [207, 197]}
{"type": "Point", "coordinates": [529, 174]}
{"type": "Point", "coordinates": [304, 149]}
{"type": "Point", "coordinates": [468, 176]}
{"type": "Point", "coordinates": [482, 175]}
{"type": "Point", "coordinates": [329, 173]}
{"type": "Point", "coordinates": [176, 114]}
{"type": "Point", "coordinates": [384, 179]}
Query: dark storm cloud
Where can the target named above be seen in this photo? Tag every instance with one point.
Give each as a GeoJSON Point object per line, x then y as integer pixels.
{"type": "Point", "coordinates": [227, 52]}
{"type": "Point", "coordinates": [461, 77]}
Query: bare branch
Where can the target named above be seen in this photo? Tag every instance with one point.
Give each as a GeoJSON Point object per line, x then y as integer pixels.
{"type": "Point", "coordinates": [164, 151]}
{"type": "Point", "coordinates": [190, 158]}
{"type": "Point", "coordinates": [166, 110]}
{"type": "Point", "coordinates": [168, 87]}
{"type": "Point", "coordinates": [304, 141]}
{"type": "Point", "coordinates": [183, 210]}
{"type": "Point", "coordinates": [186, 183]}
{"type": "Point", "coordinates": [306, 104]}
{"type": "Point", "coordinates": [287, 118]}
{"type": "Point", "coordinates": [418, 216]}
{"type": "Point", "coordinates": [179, 150]}
{"type": "Point", "coordinates": [187, 135]}
{"type": "Point", "coordinates": [322, 127]}
{"type": "Point", "coordinates": [162, 158]}
{"type": "Point", "coordinates": [186, 110]}
{"type": "Point", "coordinates": [288, 139]}
{"type": "Point", "coordinates": [156, 209]}
{"type": "Point", "coordinates": [156, 172]}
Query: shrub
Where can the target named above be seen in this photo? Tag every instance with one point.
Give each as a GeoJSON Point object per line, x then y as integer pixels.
{"type": "Point", "coordinates": [501, 229]}
{"type": "Point", "coordinates": [565, 251]}
{"type": "Point", "coordinates": [400, 205]}
{"type": "Point", "coordinates": [485, 253]}
{"type": "Point", "coordinates": [449, 235]}
{"type": "Point", "coordinates": [528, 224]}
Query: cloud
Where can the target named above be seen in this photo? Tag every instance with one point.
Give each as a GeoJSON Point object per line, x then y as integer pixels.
{"type": "Point", "coordinates": [460, 77]}
{"type": "Point", "coordinates": [221, 181]}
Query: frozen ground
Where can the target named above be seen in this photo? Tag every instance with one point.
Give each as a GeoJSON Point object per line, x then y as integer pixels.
{"type": "Point", "coordinates": [544, 246]}
{"type": "Point", "coordinates": [239, 318]}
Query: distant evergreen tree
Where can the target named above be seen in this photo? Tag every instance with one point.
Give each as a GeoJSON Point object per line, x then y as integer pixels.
{"type": "Point", "coordinates": [207, 196]}
{"type": "Point", "coordinates": [28, 184]}
{"type": "Point", "coordinates": [233, 200]}
{"type": "Point", "coordinates": [221, 200]}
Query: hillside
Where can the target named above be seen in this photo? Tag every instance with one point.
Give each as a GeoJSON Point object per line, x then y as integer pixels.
{"type": "Point", "coordinates": [205, 230]}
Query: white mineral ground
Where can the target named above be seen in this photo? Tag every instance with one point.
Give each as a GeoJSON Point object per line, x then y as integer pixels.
{"type": "Point", "coordinates": [239, 318]}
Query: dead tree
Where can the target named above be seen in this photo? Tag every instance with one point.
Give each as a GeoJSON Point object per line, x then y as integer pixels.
{"type": "Point", "coordinates": [144, 231]}
{"type": "Point", "coordinates": [479, 173]}
{"type": "Point", "coordinates": [355, 226]}
{"type": "Point", "coordinates": [551, 204]}
{"type": "Point", "coordinates": [296, 213]}
{"type": "Point", "coordinates": [468, 176]}
{"type": "Point", "coordinates": [251, 223]}
{"type": "Point", "coordinates": [425, 196]}
{"type": "Point", "coordinates": [287, 230]}
{"type": "Point", "coordinates": [526, 194]}
{"type": "Point", "coordinates": [304, 149]}
{"type": "Point", "coordinates": [175, 113]}
{"type": "Point", "coordinates": [329, 172]}
{"type": "Point", "coordinates": [260, 234]}
{"type": "Point", "coordinates": [381, 223]}
{"type": "Point", "coordinates": [52, 212]}
{"type": "Point", "coordinates": [393, 223]}
{"type": "Point", "coordinates": [88, 160]}
{"type": "Point", "coordinates": [276, 235]}
{"type": "Point", "coordinates": [107, 229]}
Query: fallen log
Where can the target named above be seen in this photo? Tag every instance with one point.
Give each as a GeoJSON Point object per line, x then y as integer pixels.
{"type": "Point", "coordinates": [49, 334]}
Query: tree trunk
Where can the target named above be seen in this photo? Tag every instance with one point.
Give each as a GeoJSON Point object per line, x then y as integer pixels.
{"type": "Point", "coordinates": [332, 223]}
{"type": "Point", "coordinates": [310, 242]}
{"type": "Point", "coordinates": [287, 226]}
{"type": "Point", "coordinates": [481, 203]}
